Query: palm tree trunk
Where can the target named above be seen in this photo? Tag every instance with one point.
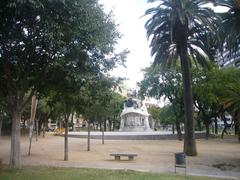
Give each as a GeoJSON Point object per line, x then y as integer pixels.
{"type": "Point", "coordinates": [189, 136]}
{"type": "Point", "coordinates": [15, 137]}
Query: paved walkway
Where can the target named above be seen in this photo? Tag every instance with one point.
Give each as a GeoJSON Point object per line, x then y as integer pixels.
{"type": "Point", "coordinates": [216, 157]}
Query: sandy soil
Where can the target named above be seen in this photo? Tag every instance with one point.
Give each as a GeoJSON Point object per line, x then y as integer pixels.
{"type": "Point", "coordinates": [216, 157]}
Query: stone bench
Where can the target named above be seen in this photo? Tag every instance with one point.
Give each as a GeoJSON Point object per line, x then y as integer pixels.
{"type": "Point", "coordinates": [129, 155]}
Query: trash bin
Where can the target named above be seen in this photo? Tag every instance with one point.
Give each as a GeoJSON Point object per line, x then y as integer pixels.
{"type": "Point", "coordinates": [180, 158]}
{"type": "Point", "coordinates": [180, 161]}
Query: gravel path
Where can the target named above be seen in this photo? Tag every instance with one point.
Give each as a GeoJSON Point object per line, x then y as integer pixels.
{"type": "Point", "coordinates": [216, 157]}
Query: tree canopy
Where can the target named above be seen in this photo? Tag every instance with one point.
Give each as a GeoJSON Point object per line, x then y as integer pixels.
{"type": "Point", "coordinates": [51, 45]}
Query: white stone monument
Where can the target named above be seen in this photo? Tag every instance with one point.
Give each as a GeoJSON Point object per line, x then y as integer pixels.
{"type": "Point", "coordinates": [134, 116]}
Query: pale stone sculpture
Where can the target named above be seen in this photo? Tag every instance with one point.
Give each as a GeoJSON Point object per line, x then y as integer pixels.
{"type": "Point", "coordinates": [134, 116]}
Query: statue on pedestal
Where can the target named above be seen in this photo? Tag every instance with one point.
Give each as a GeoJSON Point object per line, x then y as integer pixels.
{"type": "Point", "coordinates": [134, 116]}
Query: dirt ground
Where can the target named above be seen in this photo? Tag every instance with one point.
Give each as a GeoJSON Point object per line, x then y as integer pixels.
{"type": "Point", "coordinates": [216, 157]}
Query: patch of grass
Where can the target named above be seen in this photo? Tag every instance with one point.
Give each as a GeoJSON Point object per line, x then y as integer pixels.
{"type": "Point", "coordinates": [44, 173]}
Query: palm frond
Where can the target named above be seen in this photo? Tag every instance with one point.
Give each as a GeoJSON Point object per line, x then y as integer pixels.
{"type": "Point", "coordinates": [161, 28]}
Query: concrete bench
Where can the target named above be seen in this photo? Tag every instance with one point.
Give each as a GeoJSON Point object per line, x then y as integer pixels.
{"type": "Point", "coordinates": [118, 155]}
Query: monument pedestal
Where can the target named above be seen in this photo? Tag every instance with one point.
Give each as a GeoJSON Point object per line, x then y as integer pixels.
{"type": "Point", "coordinates": [134, 119]}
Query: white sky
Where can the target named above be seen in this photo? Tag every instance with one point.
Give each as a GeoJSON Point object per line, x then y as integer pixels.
{"type": "Point", "coordinates": [128, 15]}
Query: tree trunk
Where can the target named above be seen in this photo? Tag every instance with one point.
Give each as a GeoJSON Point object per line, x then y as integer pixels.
{"type": "Point", "coordinates": [88, 139]}
{"type": "Point", "coordinates": [225, 127]}
{"type": "Point", "coordinates": [179, 132]}
{"type": "Point", "coordinates": [44, 128]}
{"type": "Point", "coordinates": [189, 136]}
{"type": "Point", "coordinates": [237, 125]}
{"type": "Point", "coordinates": [66, 139]}
{"type": "Point", "coordinates": [207, 129]}
{"type": "Point", "coordinates": [110, 125]}
{"type": "Point", "coordinates": [24, 121]}
{"type": "Point", "coordinates": [238, 133]}
{"type": "Point", "coordinates": [236, 129]}
{"type": "Point", "coordinates": [173, 129]}
{"type": "Point", "coordinates": [31, 121]}
{"type": "Point", "coordinates": [102, 136]}
{"type": "Point", "coordinates": [100, 126]}
{"type": "Point", "coordinates": [199, 125]}
{"type": "Point", "coordinates": [224, 131]}
{"type": "Point", "coordinates": [36, 129]}
{"type": "Point", "coordinates": [114, 125]}
{"type": "Point", "coordinates": [60, 124]}
{"type": "Point", "coordinates": [105, 125]}
{"type": "Point", "coordinates": [72, 124]}
{"type": "Point", "coordinates": [216, 125]}
{"type": "Point", "coordinates": [1, 122]}
{"type": "Point", "coordinates": [30, 137]}
{"type": "Point", "coordinates": [45, 125]}
{"type": "Point", "coordinates": [40, 123]}
{"type": "Point", "coordinates": [15, 137]}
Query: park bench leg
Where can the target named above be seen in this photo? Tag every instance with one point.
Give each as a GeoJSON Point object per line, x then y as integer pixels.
{"type": "Point", "coordinates": [130, 158]}
{"type": "Point", "coordinates": [117, 157]}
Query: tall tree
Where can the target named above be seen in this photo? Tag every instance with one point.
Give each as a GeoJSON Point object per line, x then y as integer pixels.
{"type": "Point", "coordinates": [114, 108]}
{"type": "Point", "coordinates": [179, 28]}
{"type": "Point", "coordinates": [205, 90]}
{"type": "Point", "coordinates": [167, 85]}
{"type": "Point", "coordinates": [212, 91]}
{"type": "Point", "coordinates": [231, 99]}
{"type": "Point", "coordinates": [37, 38]}
{"type": "Point", "coordinates": [94, 99]}
{"type": "Point", "coordinates": [230, 27]}
{"type": "Point", "coordinates": [228, 93]}
{"type": "Point", "coordinates": [154, 112]}
{"type": "Point", "coordinates": [167, 116]}
{"type": "Point", "coordinates": [24, 44]}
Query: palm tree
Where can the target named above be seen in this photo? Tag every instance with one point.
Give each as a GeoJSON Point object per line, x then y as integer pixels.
{"type": "Point", "coordinates": [179, 29]}
{"type": "Point", "coordinates": [230, 31]}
